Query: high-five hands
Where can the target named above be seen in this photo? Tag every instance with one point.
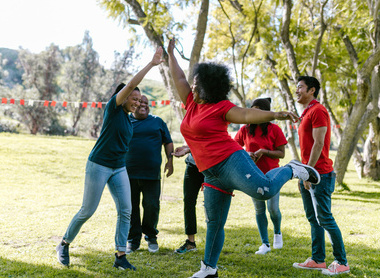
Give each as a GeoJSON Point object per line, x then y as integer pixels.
{"type": "Point", "coordinates": [157, 57]}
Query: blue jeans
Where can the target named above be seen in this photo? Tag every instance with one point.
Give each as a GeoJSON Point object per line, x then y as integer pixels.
{"type": "Point", "coordinates": [317, 205]}
{"type": "Point", "coordinates": [97, 176]}
{"type": "Point", "coordinates": [261, 217]}
{"type": "Point", "coordinates": [238, 172]}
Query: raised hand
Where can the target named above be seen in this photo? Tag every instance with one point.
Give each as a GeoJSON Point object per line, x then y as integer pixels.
{"type": "Point", "coordinates": [157, 57]}
{"type": "Point", "coordinates": [171, 46]}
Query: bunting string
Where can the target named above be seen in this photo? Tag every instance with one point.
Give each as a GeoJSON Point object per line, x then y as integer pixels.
{"type": "Point", "coordinates": [82, 104]}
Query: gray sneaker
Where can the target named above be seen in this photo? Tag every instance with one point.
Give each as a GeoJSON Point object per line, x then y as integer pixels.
{"type": "Point", "coordinates": [131, 248]}
{"type": "Point", "coordinates": [152, 245]}
{"type": "Point", "coordinates": [304, 172]}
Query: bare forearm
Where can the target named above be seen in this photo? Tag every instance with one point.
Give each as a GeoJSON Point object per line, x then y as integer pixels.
{"type": "Point", "coordinates": [275, 154]}
{"type": "Point", "coordinates": [132, 84]}
{"type": "Point", "coordinates": [179, 78]}
{"type": "Point", "coordinates": [315, 153]}
{"type": "Point", "coordinates": [169, 148]}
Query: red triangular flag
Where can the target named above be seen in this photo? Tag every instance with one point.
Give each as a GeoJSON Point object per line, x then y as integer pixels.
{"type": "Point", "coordinates": [64, 104]}
{"type": "Point", "coordinates": [22, 102]}
{"type": "Point", "coordinates": [53, 103]}
{"type": "Point", "coordinates": [84, 105]}
{"type": "Point", "coordinates": [99, 104]}
{"type": "Point", "coordinates": [4, 100]}
{"type": "Point", "coordinates": [93, 105]}
{"type": "Point", "coordinates": [12, 101]}
{"type": "Point", "coordinates": [46, 103]}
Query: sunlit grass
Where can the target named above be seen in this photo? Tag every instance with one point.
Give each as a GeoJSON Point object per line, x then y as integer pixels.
{"type": "Point", "coordinates": [41, 188]}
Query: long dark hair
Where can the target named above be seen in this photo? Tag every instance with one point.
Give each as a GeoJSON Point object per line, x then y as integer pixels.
{"type": "Point", "coordinates": [263, 104]}
{"type": "Point", "coordinates": [121, 86]}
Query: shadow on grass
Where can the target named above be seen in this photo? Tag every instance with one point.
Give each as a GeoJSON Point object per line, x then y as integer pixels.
{"type": "Point", "coordinates": [355, 196]}
{"type": "Point", "coordinates": [237, 259]}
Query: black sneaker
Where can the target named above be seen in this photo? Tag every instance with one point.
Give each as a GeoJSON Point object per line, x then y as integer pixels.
{"type": "Point", "coordinates": [63, 253]}
{"type": "Point", "coordinates": [122, 263]}
{"type": "Point", "coordinates": [186, 247]}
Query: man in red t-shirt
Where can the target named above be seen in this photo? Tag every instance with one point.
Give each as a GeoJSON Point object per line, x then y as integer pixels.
{"type": "Point", "coordinates": [314, 137]}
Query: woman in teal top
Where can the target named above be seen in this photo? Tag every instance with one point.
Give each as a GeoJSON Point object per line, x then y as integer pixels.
{"type": "Point", "coordinates": [106, 165]}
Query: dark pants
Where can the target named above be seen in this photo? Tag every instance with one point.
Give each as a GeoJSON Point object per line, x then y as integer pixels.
{"type": "Point", "coordinates": [192, 183]}
{"type": "Point", "coordinates": [317, 205]}
{"type": "Point", "coordinates": [151, 190]}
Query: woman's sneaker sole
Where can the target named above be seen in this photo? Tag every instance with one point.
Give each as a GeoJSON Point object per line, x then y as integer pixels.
{"type": "Point", "coordinates": [314, 176]}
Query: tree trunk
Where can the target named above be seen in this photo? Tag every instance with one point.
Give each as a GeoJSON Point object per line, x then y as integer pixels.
{"type": "Point", "coordinates": [199, 38]}
{"type": "Point", "coordinates": [287, 97]}
{"type": "Point", "coordinates": [157, 41]}
{"type": "Point", "coordinates": [362, 114]}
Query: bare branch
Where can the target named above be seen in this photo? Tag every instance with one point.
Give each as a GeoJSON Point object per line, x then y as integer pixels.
{"type": "Point", "coordinates": [286, 41]}
{"type": "Point", "coordinates": [319, 41]}
{"type": "Point", "coordinates": [349, 46]}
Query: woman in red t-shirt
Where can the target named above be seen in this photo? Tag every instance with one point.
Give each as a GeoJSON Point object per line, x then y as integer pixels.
{"type": "Point", "coordinates": [265, 143]}
{"type": "Point", "coordinates": [223, 162]}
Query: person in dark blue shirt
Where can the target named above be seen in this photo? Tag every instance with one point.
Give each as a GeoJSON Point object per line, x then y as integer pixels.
{"type": "Point", "coordinates": [144, 160]}
{"type": "Point", "coordinates": [106, 165]}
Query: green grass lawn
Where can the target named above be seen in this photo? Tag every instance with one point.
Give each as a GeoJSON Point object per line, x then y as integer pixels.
{"type": "Point", "coordinates": [41, 187]}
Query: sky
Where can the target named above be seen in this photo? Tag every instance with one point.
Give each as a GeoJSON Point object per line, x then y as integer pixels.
{"type": "Point", "coordinates": [35, 24]}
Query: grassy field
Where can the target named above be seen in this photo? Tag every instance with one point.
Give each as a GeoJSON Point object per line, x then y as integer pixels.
{"type": "Point", "coordinates": [41, 187]}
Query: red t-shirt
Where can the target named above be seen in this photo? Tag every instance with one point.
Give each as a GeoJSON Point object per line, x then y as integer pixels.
{"type": "Point", "coordinates": [274, 138]}
{"type": "Point", "coordinates": [316, 116]}
{"type": "Point", "coordinates": [204, 128]}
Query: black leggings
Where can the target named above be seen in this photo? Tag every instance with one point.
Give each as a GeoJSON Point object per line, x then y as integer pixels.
{"type": "Point", "coordinates": [192, 183]}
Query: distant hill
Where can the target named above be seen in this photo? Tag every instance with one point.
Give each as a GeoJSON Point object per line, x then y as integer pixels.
{"type": "Point", "coordinates": [153, 89]}
{"type": "Point", "coordinates": [10, 56]}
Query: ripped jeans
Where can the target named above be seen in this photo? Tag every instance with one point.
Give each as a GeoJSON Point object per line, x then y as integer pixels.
{"type": "Point", "coordinates": [238, 172]}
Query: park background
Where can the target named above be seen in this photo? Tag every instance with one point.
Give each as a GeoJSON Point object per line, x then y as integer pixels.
{"type": "Point", "coordinates": [59, 88]}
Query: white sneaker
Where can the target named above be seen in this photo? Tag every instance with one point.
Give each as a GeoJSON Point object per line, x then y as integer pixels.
{"type": "Point", "coordinates": [206, 272]}
{"type": "Point", "coordinates": [304, 172]}
{"type": "Point", "coordinates": [277, 241]}
{"type": "Point", "coordinates": [263, 249]}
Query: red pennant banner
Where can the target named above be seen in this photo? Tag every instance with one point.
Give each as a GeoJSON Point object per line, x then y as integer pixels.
{"type": "Point", "coordinates": [182, 105]}
{"type": "Point", "coordinates": [94, 104]}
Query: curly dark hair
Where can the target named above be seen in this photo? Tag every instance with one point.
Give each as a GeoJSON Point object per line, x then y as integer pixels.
{"type": "Point", "coordinates": [214, 81]}
{"type": "Point", "coordinates": [263, 104]}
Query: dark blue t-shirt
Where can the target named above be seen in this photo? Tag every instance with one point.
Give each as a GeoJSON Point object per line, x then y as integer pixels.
{"type": "Point", "coordinates": [112, 145]}
{"type": "Point", "coordinates": [144, 156]}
